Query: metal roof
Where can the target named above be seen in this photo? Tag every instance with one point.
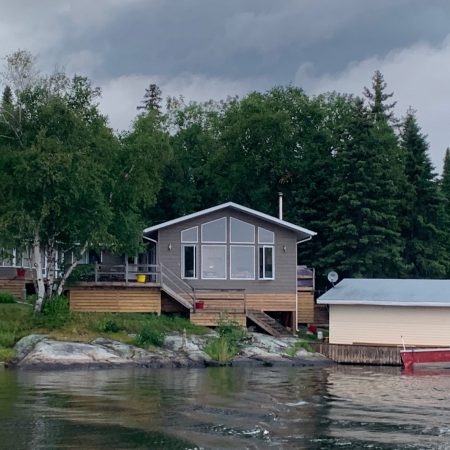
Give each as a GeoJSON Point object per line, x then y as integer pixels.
{"type": "Point", "coordinates": [301, 232]}
{"type": "Point", "coordinates": [388, 292]}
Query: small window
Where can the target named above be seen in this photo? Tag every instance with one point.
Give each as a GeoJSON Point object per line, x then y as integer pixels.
{"type": "Point", "coordinates": [215, 231]}
{"type": "Point", "coordinates": [190, 235]}
{"type": "Point", "coordinates": [242, 262]}
{"type": "Point", "coordinates": [266, 263]}
{"type": "Point", "coordinates": [189, 261]}
{"type": "Point", "coordinates": [266, 236]}
{"type": "Point", "coordinates": [241, 232]}
{"type": "Point", "coordinates": [214, 266]}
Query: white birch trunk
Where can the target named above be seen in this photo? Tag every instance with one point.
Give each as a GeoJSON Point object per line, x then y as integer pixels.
{"type": "Point", "coordinates": [37, 264]}
{"type": "Point", "coordinates": [69, 270]}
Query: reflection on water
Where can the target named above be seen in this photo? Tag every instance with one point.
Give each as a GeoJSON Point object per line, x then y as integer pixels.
{"type": "Point", "coordinates": [254, 408]}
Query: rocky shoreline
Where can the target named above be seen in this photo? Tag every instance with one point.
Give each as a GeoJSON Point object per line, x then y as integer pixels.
{"type": "Point", "coordinates": [38, 352]}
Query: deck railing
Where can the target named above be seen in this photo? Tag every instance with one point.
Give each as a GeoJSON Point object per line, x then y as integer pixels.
{"type": "Point", "coordinates": [172, 282]}
{"type": "Point", "coordinates": [127, 273]}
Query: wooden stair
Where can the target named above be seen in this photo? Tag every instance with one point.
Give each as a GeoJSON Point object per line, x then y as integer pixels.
{"type": "Point", "coordinates": [267, 323]}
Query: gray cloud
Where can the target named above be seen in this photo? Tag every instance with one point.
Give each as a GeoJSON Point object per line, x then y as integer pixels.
{"type": "Point", "coordinates": [214, 48]}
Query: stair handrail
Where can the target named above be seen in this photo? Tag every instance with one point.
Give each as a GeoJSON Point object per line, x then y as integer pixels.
{"type": "Point", "coordinates": [165, 272]}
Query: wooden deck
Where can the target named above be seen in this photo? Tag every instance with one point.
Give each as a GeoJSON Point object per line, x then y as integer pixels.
{"type": "Point", "coordinates": [15, 286]}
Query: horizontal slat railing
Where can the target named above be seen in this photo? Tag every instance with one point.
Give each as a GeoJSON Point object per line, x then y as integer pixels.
{"type": "Point", "coordinates": [126, 273]}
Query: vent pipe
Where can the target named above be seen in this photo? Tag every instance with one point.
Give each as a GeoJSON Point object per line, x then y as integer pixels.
{"type": "Point", "coordinates": [280, 205]}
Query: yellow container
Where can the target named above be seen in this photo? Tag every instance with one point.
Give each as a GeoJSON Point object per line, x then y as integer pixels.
{"type": "Point", "coordinates": [140, 278]}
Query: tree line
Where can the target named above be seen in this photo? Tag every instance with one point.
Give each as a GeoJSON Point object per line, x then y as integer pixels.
{"type": "Point", "coordinates": [348, 168]}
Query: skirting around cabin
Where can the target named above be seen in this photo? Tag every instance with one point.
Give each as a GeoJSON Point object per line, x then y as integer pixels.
{"type": "Point", "coordinates": [360, 354]}
{"type": "Point", "coordinates": [15, 287]}
{"type": "Point", "coordinates": [115, 299]}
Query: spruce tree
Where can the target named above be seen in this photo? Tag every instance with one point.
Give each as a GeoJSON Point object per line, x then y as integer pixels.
{"type": "Point", "coordinates": [365, 239]}
{"type": "Point", "coordinates": [377, 98]}
{"type": "Point", "coordinates": [424, 227]}
{"type": "Point", "coordinates": [445, 180]}
{"type": "Point", "coordinates": [152, 99]}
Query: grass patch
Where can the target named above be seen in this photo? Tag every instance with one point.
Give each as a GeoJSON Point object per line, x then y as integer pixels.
{"type": "Point", "coordinates": [293, 349]}
{"type": "Point", "coordinates": [59, 323]}
{"type": "Point", "coordinates": [7, 354]}
{"type": "Point", "coordinates": [6, 297]}
{"type": "Point", "coordinates": [228, 344]}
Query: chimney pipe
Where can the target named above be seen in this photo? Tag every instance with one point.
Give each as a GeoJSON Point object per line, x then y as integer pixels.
{"type": "Point", "coordinates": [280, 205]}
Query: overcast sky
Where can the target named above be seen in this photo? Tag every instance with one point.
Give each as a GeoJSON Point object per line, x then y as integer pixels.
{"type": "Point", "coordinates": [206, 49]}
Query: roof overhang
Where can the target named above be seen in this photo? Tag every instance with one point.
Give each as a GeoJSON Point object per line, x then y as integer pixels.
{"type": "Point", "coordinates": [302, 233]}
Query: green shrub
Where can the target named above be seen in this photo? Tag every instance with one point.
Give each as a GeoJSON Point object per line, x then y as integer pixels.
{"type": "Point", "coordinates": [147, 335]}
{"type": "Point", "coordinates": [229, 342]}
{"type": "Point", "coordinates": [7, 339]}
{"type": "Point", "coordinates": [7, 354]}
{"type": "Point", "coordinates": [220, 349]}
{"type": "Point", "coordinates": [108, 326]}
{"type": "Point", "coordinates": [55, 314]}
{"type": "Point", "coordinates": [7, 297]}
{"type": "Point", "coordinates": [82, 272]}
{"type": "Point", "coordinates": [291, 351]}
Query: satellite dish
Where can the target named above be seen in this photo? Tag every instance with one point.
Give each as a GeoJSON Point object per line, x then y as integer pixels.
{"type": "Point", "coordinates": [332, 277]}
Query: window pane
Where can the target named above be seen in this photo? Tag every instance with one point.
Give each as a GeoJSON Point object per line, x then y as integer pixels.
{"type": "Point", "coordinates": [190, 235]}
{"type": "Point", "coordinates": [214, 261]}
{"type": "Point", "coordinates": [189, 261]}
{"type": "Point", "coordinates": [268, 262]}
{"type": "Point", "coordinates": [242, 262]}
{"type": "Point", "coordinates": [265, 236]}
{"type": "Point", "coordinates": [241, 232]}
{"type": "Point", "coordinates": [215, 231]}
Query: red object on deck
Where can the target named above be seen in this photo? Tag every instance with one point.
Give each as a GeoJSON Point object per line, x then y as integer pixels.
{"type": "Point", "coordinates": [424, 355]}
{"type": "Point", "coordinates": [20, 271]}
{"type": "Point", "coordinates": [199, 305]}
{"type": "Point", "coordinates": [312, 329]}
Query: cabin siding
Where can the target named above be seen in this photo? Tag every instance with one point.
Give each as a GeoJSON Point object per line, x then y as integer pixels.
{"type": "Point", "coordinates": [285, 261]}
{"type": "Point", "coordinates": [385, 325]}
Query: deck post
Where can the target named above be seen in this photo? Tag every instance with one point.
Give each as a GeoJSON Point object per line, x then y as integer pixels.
{"type": "Point", "coordinates": [96, 272]}
{"type": "Point", "coordinates": [126, 269]}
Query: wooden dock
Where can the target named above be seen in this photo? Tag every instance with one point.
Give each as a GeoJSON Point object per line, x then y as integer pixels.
{"type": "Point", "coordinates": [360, 354]}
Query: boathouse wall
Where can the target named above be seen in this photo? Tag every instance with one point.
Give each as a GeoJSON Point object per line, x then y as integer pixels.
{"type": "Point", "coordinates": [385, 325]}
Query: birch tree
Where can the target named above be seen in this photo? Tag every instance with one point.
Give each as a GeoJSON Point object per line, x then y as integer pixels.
{"type": "Point", "coordinates": [68, 183]}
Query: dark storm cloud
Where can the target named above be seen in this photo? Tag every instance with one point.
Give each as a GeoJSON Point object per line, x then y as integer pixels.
{"type": "Point", "coordinates": [210, 48]}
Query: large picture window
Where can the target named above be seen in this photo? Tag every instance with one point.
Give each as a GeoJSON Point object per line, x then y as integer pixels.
{"type": "Point", "coordinates": [214, 266]}
{"type": "Point", "coordinates": [266, 263]}
{"type": "Point", "coordinates": [242, 262]}
{"type": "Point", "coordinates": [265, 236]}
{"type": "Point", "coordinates": [189, 261]}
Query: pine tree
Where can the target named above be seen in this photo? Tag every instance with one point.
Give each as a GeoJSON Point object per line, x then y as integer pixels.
{"type": "Point", "coordinates": [424, 227]}
{"type": "Point", "coordinates": [152, 99]}
{"type": "Point", "coordinates": [377, 98]}
{"type": "Point", "coordinates": [445, 180]}
{"type": "Point", "coordinates": [364, 231]}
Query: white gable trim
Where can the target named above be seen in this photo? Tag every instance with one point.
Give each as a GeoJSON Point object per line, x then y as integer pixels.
{"type": "Point", "coordinates": [237, 207]}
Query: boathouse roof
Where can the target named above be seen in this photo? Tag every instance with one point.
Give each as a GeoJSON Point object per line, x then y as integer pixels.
{"type": "Point", "coordinates": [388, 292]}
{"type": "Point", "coordinates": [302, 233]}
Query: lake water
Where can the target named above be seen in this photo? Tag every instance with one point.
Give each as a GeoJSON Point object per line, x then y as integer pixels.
{"type": "Point", "coordinates": [232, 408]}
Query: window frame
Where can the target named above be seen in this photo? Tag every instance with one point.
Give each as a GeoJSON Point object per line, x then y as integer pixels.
{"type": "Point", "coordinates": [183, 267]}
{"type": "Point", "coordinates": [224, 246]}
{"type": "Point", "coordinates": [263, 247]}
{"type": "Point", "coordinates": [215, 242]}
{"type": "Point", "coordinates": [254, 262]}
{"type": "Point", "coordinates": [247, 223]}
